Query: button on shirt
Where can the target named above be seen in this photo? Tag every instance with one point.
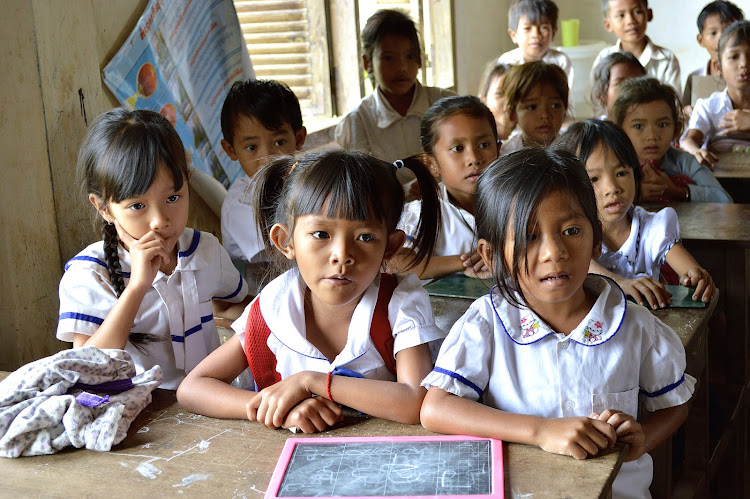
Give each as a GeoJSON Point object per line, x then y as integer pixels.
{"type": "Point", "coordinates": [282, 304]}
{"type": "Point", "coordinates": [177, 309]}
{"type": "Point", "coordinates": [651, 237]}
{"type": "Point", "coordinates": [511, 360]}
{"type": "Point", "coordinates": [375, 128]}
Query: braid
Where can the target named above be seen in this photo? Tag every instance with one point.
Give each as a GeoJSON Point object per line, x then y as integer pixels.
{"type": "Point", "coordinates": [114, 268]}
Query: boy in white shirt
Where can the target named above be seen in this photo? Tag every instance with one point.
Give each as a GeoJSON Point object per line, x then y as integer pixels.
{"type": "Point", "coordinates": [532, 26]}
{"type": "Point", "coordinates": [628, 19]}
{"type": "Point", "coordinates": [260, 119]}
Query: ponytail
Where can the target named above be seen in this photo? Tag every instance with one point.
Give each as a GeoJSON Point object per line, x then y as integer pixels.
{"type": "Point", "coordinates": [430, 216]}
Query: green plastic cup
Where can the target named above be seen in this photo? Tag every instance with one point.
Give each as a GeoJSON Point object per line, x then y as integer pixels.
{"type": "Point", "coordinates": [569, 29]}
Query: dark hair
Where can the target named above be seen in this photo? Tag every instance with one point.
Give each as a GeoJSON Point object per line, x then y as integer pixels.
{"type": "Point", "coordinates": [535, 11]}
{"type": "Point", "coordinates": [352, 185]}
{"type": "Point", "coordinates": [119, 159]}
{"type": "Point", "coordinates": [643, 90]}
{"type": "Point", "coordinates": [492, 70]}
{"type": "Point", "coordinates": [603, 71]}
{"type": "Point", "coordinates": [387, 22]}
{"type": "Point", "coordinates": [509, 192]}
{"type": "Point", "coordinates": [450, 106]}
{"type": "Point", "coordinates": [605, 6]}
{"type": "Point", "coordinates": [737, 33]}
{"type": "Point", "coordinates": [521, 79]}
{"type": "Point", "coordinates": [271, 102]}
{"type": "Point", "coordinates": [727, 12]}
{"type": "Point", "coordinates": [581, 138]}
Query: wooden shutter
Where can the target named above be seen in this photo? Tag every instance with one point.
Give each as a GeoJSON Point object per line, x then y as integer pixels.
{"type": "Point", "coordinates": [284, 40]}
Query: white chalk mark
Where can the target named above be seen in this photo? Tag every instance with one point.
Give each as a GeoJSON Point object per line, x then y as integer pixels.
{"type": "Point", "coordinates": [124, 465]}
{"type": "Point", "coordinates": [191, 478]}
{"type": "Point", "coordinates": [519, 495]}
{"type": "Point", "coordinates": [204, 444]}
{"type": "Point", "coordinates": [144, 429]}
{"type": "Point", "coordinates": [146, 446]}
{"type": "Point", "coordinates": [148, 470]}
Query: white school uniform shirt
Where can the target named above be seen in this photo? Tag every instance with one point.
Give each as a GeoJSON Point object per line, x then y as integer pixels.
{"type": "Point", "coordinates": [515, 57]}
{"type": "Point", "coordinates": [457, 226]}
{"type": "Point", "coordinates": [375, 128]}
{"type": "Point", "coordinates": [659, 62]}
{"type": "Point", "coordinates": [651, 237]}
{"type": "Point", "coordinates": [177, 308]}
{"type": "Point", "coordinates": [707, 113]}
{"type": "Point", "coordinates": [508, 358]}
{"type": "Point", "coordinates": [282, 304]}
{"type": "Point", "coordinates": [239, 231]}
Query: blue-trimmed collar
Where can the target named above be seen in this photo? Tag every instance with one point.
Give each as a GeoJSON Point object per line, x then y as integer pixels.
{"type": "Point", "coordinates": [602, 322]}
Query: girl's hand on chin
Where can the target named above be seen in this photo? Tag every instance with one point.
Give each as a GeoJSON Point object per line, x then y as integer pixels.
{"type": "Point", "coordinates": [147, 255]}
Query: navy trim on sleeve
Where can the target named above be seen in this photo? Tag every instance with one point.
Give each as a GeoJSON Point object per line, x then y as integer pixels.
{"type": "Point", "coordinates": [193, 244]}
{"type": "Point", "coordinates": [236, 292]}
{"type": "Point", "coordinates": [85, 259]}
{"type": "Point", "coordinates": [80, 317]}
{"type": "Point", "coordinates": [459, 378]}
{"type": "Point", "coordinates": [663, 390]}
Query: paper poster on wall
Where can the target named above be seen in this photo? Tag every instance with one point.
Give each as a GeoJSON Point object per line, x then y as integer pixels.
{"type": "Point", "coordinates": [180, 60]}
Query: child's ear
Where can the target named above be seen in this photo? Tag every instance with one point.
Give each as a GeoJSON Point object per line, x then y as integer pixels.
{"type": "Point", "coordinates": [299, 138]}
{"type": "Point", "coordinates": [512, 35]}
{"type": "Point", "coordinates": [649, 15]}
{"type": "Point", "coordinates": [229, 149]}
{"type": "Point", "coordinates": [100, 206]}
{"type": "Point", "coordinates": [366, 63]}
{"type": "Point", "coordinates": [597, 249]}
{"type": "Point", "coordinates": [607, 24]}
{"type": "Point", "coordinates": [396, 240]}
{"type": "Point", "coordinates": [716, 66]}
{"type": "Point", "coordinates": [700, 40]}
{"type": "Point", "coordinates": [280, 237]}
{"type": "Point", "coordinates": [484, 248]}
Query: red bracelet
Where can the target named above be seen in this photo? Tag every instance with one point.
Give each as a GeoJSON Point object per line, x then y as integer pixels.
{"type": "Point", "coordinates": [328, 385]}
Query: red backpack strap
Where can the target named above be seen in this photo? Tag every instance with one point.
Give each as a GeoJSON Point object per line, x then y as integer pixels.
{"type": "Point", "coordinates": [260, 358]}
{"type": "Point", "coordinates": [380, 328]}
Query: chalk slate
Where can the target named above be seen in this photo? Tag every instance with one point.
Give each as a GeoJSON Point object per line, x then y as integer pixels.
{"type": "Point", "coordinates": [381, 467]}
{"type": "Point", "coordinates": [460, 286]}
{"type": "Point", "coordinates": [682, 297]}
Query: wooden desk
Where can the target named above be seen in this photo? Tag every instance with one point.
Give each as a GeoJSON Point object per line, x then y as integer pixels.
{"type": "Point", "coordinates": [733, 173]}
{"type": "Point", "coordinates": [169, 451]}
{"type": "Point", "coordinates": [718, 236]}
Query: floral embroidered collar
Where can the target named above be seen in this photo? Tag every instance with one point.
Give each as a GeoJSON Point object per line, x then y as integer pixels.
{"type": "Point", "coordinates": [602, 322]}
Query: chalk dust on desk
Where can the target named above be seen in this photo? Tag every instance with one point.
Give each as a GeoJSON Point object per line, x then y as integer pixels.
{"type": "Point", "coordinates": [195, 477]}
{"type": "Point", "coordinates": [148, 470]}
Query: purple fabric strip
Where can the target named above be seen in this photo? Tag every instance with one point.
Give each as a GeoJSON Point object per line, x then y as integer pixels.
{"type": "Point", "coordinates": [117, 386]}
{"type": "Point", "coordinates": [91, 400]}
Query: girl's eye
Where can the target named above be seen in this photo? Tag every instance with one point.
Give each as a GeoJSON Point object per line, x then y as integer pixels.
{"type": "Point", "coordinates": [137, 206]}
{"type": "Point", "coordinates": [173, 198]}
{"type": "Point", "coordinates": [593, 179]}
{"type": "Point", "coordinates": [279, 143]}
{"type": "Point", "coordinates": [531, 107]}
{"type": "Point", "coordinates": [387, 58]}
{"type": "Point", "coordinates": [457, 148]}
{"type": "Point", "coordinates": [367, 237]}
{"type": "Point", "coordinates": [663, 124]}
{"type": "Point", "coordinates": [637, 126]}
{"type": "Point", "coordinates": [251, 147]}
{"type": "Point", "coordinates": [530, 237]}
{"type": "Point", "coordinates": [320, 234]}
{"type": "Point", "coordinates": [412, 57]}
{"type": "Point", "coordinates": [623, 173]}
{"type": "Point", "coordinates": [556, 105]}
{"type": "Point", "coordinates": [572, 231]}
{"type": "Point", "coordinates": [484, 145]}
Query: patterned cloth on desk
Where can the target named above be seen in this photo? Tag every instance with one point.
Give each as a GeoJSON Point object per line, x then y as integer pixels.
{"type": "Point", "coordinates": [83, 397]}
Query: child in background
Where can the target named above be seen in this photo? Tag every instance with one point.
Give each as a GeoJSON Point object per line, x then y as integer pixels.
{"type": "Point", "coordinates": [635, 242]}
{"type": "Point", "coordinates": [532, 25]}
{"type": "Point", "coordinates": [712, 21]}
{"type": "Point", "coordinates": [536, 96]}
{"type": "Point", "coordinates": [650, 114]}
{"type": "Point", "coordinates": [612, 70]}
{"type": "Point", "coordinates": [385, 124]}
{"type": "Point", "coordinates": [727, 111]}
{"type": "Point", "coordinates": [558, 357]}
{"type": "Point", "coordinates": [148, 287]}
{"type": "Point", "coordinates": [259, 119]}
{"type": "Point", "coordinates": [491, 95]}
{"type": "Point", "coordinates": [334, 326]}
{"type": "Point", "coordinates": [628, 19]}
{"type": "Point", "coordinates": [458, 133]}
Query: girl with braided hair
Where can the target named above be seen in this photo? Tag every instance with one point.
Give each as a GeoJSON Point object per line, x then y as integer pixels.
{"type": "Point", "coordinates": [148, 286]}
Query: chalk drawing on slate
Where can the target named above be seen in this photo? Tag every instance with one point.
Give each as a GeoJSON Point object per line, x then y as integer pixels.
{"type": "Point", "coordinates": [389, 467]}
